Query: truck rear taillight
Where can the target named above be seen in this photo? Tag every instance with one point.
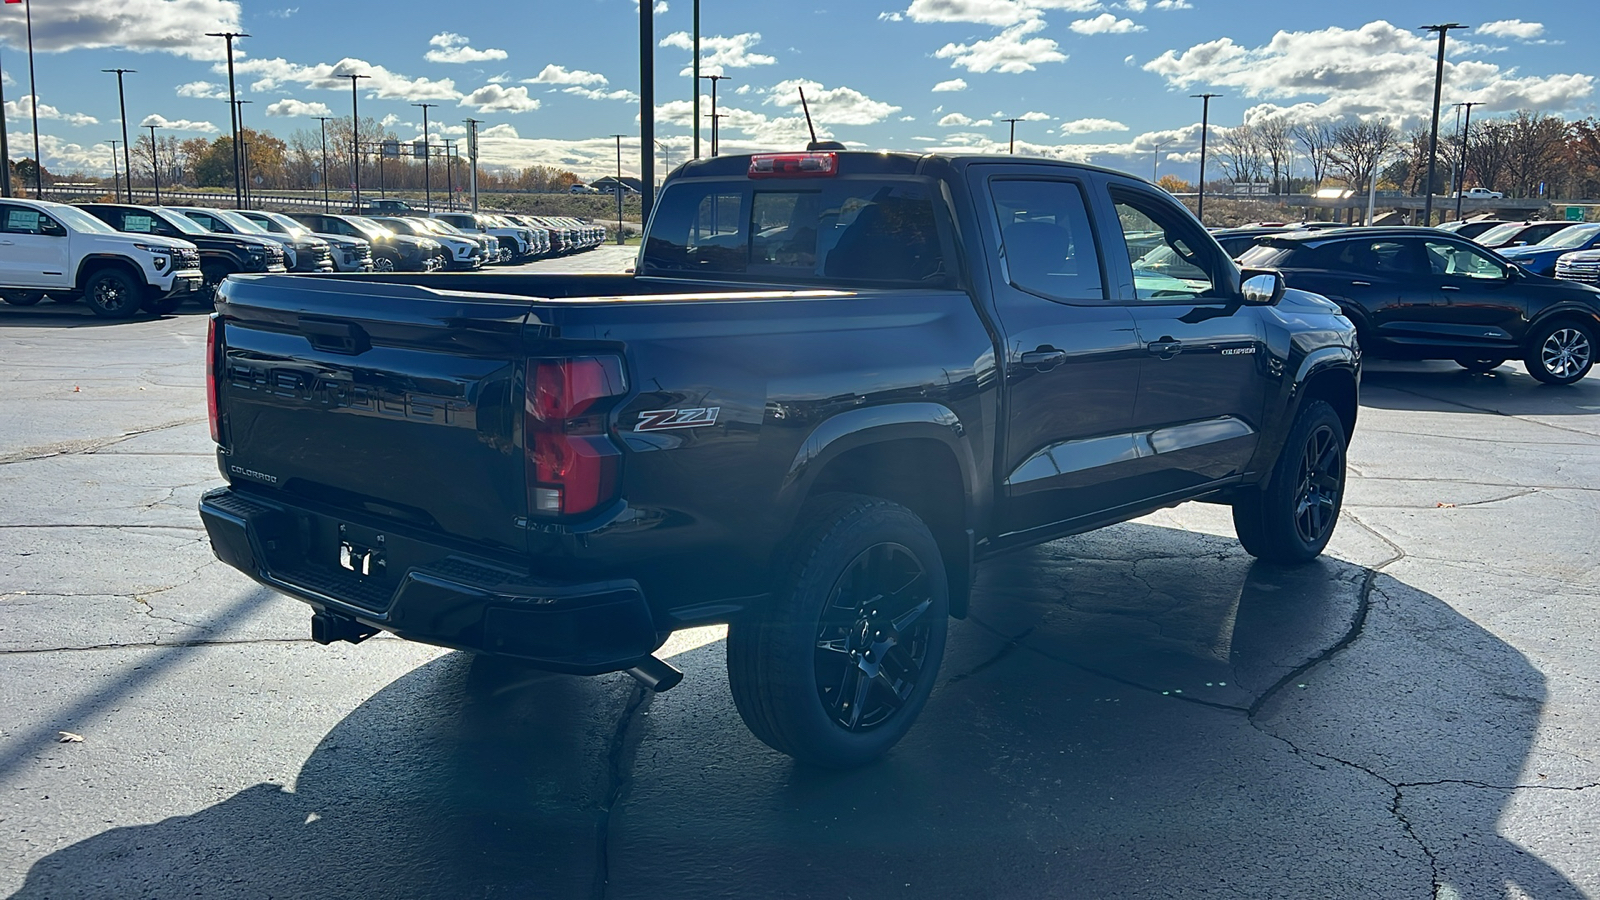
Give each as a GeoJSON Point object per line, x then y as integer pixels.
{"type": "Point", "coordinates": [213, 405]}
{"type": "Point", "coordinates": [572, 464]}
{"type": "Point", "coordinates": [794, 165]}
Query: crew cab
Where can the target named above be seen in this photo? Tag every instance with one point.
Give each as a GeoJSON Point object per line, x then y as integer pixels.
{"type": "Point", "coordinates": [836, 383]}
{"type": "Point", "coordinates": [221, 254]}
{"type": "Point", "coordinates": [56, 249]}
{"type": "Point", "coordinates": [299, 253]}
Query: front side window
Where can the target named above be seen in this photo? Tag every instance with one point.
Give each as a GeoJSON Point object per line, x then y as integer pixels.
{"type": "Point", "coordinates": [1170, 262]}
{"type": "Point", "coordinates": [1458, 260]}
{"type": "Point", "coordinates": [22, 220]}
{"type": "Point", "coordinates": [1046, 241]}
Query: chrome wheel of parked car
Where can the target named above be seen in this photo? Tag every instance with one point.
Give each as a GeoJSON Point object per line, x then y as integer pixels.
{"type": "Point", "coordinates": [1561, 352]}
{"type": "Point", "coordinates": [382, 264]}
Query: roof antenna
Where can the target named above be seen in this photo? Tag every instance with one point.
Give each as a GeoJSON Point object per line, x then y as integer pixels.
{"type": "Point", "coordinates": [815, 144]}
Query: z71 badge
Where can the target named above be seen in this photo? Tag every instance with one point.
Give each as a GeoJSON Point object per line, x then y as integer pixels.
{"type": "Point", "coordinates": [668, 419]}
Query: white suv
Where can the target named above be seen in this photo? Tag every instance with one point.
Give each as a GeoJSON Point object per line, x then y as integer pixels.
{"type": "Point", "coordinates": [60, 250]}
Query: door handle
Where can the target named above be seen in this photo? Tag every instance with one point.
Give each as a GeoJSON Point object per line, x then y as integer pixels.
{"type": "Point", "coordinates": [1448, 287]}
{"type": "Point", "coordinates": [8, 243]}
{"type": "Point", "coordinates": [1044, 359]}
{"type": "Point", "coordinates": [1361, 283]}
{"type": "Point", "coordinates": [1166, 348]}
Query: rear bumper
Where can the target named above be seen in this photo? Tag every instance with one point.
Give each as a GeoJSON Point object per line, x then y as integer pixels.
{"type": "Point", "coordinates": [435, 596]}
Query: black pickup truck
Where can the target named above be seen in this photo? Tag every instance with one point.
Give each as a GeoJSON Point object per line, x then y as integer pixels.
{"type": "Point", "coordinates": [835, 384]}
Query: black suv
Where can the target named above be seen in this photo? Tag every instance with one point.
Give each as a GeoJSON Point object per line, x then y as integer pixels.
{"type": "Point", "coordinates": [221, 255]}
{"type": "Point", "coordinates": [1416, 294]}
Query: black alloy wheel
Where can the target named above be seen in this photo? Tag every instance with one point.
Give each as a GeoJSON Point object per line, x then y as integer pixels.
{"type": "Point", "coordinates": [1291, 518]}
{"type": "Point", "coordinates": [1561, 352]}
{"type": "Point", "coordinates": [112, 294]}
{"type": "Point", "coordinates": [836, 666]}
{"type": "Point", "coordinates": [1479, 366]}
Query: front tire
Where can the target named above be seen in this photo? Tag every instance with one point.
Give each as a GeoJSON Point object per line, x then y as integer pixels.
{"type": "Point", "coordinates": [1561, 352]}
{"type": "Point", "coordinates": [113, 294]}
{"type": "Point", "coordinates": [23, 298]}
{"type": "Point", "coordinates": [1292, 517]}
{"type": "Point", "coordinates": [385, 264]}
{"type": "Point", "coordinates": [836, 669]}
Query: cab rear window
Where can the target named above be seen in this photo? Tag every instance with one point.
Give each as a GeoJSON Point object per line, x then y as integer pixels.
{"type": "Point", "coordinates": [845, 231]}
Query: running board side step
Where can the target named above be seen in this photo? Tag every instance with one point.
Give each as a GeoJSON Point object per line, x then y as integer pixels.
{"type": "Point", "coordinates": [656, 674]}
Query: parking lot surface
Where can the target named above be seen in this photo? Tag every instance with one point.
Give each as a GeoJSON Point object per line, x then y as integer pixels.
{"type": "Point", "coordinates": [1137, 712]}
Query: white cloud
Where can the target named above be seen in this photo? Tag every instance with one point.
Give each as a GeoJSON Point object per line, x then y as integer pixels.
{"type": "Point", "coordinates": [22, 108]}
{"type": "Point", "coordinates": [600, 94]}
{"type": "Point", "coordinates": [1512, 28]}
{"type": "Point", "coordinates": [1010, 51]}
{"type": "Point", "coordinates": [450, 47]}
{"type": "Point", "coordinates": [292, 107]}
{"type": "Point", "coordinates": [720, 52]}
{"type": "Point", "coordinates": [168, 26]}
{"type": "Point", "coordinates": [1174, 4]}
{"type": "Point", "coordinates": [954, 84]}
{"type": "Point", "coordinates": [835, 106]}
{"type": "Point", "coordinates": [554, 74]}
{"type": "Point", "coordinates": [1377, 69]}
{"type": "Point", "coordinates": [495, 98]}
{"type": "Point", "coordinates": [957, 120]}
{"type": "Point", "coordinates": [389, 120]}
{"type": "Point", "coordinates": [178, 124]}
{"type": "Point", "coordinates": [1090, 126]}
{"type": "Point", "coordinates": [1035, 117]}
{"type": "Point", "coordinates": [203, 90]}
{"type": "Point", "coordinates": [1105, 23]}
{"type": "Point", "coordinates": [989, 12]}
{"type": "Point", "coordinates": [283, 13]}
{"type": "Point", "coordinates": [380, 82]}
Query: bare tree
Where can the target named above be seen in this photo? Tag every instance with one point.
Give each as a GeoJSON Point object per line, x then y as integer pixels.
{"type": "Point", "coordinates": [1537, 143]}
{"type": "Point", "coordinates": [1489, 152]}
{"type": "Point", "coordinates": [1317, 138]}
{"type": "Point", "coordinates": [1272, 138]}
{"type": "Point", "coordinates": [1241, 154]}
{"type": "Point", "coordinates": [1359, 147]}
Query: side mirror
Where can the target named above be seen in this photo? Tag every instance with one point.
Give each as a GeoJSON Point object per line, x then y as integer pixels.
{"type": "Point", "coordinates": [1262, 287]}
{"type": "Point", "coordinates": [51, 228]}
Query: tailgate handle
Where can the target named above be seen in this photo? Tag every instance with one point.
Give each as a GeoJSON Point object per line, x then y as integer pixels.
{"type": "Point", "coordinates": [335, 336]}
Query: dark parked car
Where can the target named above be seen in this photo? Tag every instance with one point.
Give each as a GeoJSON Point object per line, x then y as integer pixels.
{"type": "Point", "coordinates": [302, 253]}
{"type": "Point", "coordinates": [1512, 234]}
{"type": "Point", "coordinates": [1540, 258]}
{"type": "Point", "coordinates": [1472, 228]}
{"type": "Point", "coordinates": [221, 255]}
{"type": "Point", "coordinates": [1235, 241]}
{"type": "Point", "coordinates": [1416, 294]}
{"type": "Point", "coordinates": [390, 252]}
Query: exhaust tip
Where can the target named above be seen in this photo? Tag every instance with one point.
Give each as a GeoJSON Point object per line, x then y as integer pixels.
{"type": "Point", "coordinates": [656, 674]}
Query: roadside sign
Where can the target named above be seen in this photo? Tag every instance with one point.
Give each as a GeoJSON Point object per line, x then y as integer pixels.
{"type": "Point", "coordinates": [1574, 214]}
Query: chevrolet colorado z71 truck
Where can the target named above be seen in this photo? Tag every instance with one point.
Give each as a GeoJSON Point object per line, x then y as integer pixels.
{"type": "Point", "coordinates": [835, 384]}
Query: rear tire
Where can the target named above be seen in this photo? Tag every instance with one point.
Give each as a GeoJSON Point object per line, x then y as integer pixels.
{"type": "Point", "coordinates": [1292, 517]}
{"type": "Point", "coordinates": [1561, 352]}
{"type": "Point", "coordinates": [212, 277]}
{"type": "Point", "coordinates": [23, 298]}
{"type": "Point", "coordinates": [113, 294]}
{"type": "Point", "coordinates": [1479, 366]}
{"type": "Point", "coordinates": [836, 669]}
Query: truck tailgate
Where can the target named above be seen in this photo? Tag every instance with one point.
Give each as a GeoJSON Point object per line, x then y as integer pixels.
{"type": "Point", "coordinates": [393, 402]}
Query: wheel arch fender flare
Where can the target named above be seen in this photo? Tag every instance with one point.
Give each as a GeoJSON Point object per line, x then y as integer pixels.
{"type": "Point", "coordinates": [1564, 310]}
{"type": "Point", "coordinates": [95, 262]}
{"type": "Point", "coordinates": [852, 429]}
{"type": "Point", "coordinates": [1339, 362]}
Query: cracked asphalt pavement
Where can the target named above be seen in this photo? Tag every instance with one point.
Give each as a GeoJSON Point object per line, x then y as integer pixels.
{"type": "Point", "coordinates": [1138, 712]}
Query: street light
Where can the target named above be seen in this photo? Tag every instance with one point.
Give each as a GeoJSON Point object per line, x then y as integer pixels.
{"type": "Point", "coordinates": [1205, 128]}
{"type": "Point", "coordinates": [233, 122]}
{"type": "Point", "coordinates": [116, 179]}
{"type": "Point", "coordinates": [155, 166]}
{"type": "Point", "coordinates": [713, 79]}
{"type": "Point", "coordinates": [667, 151]}
{"type": "Point", "coordinates": [1155, 158]}
{"type": "Point", "coordinates": [427, 156]}
{"type": "Point", "coordinates": [123, 106]}
{"type": "Point", "coordinates": [1462, 153]}
{"type": "Point", "coordinates": [1442, 31]}
{"type": "Point", "coordinates": [1013, 134]}
{"type": "Point", "coordinates": [324, 121]}
{"type": "Point", "coordinates": [618, 185]}
{"type": "Point", "coordinates": [472, 157]}
{"type": "Point", "coordinates": [244, 152]}
{"type": "Point", "coordinates": [355, 140]}
{"type": "Point", "coordinates": [33, 101]}
{"type": "Point", "coordinates": [716, 130]}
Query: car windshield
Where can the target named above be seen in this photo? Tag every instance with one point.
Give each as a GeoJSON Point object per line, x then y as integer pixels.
{"type": "Point", "coordinates": [1501, 233]}
{"type": "Point", "coordinates": [80, 220]}
{"type": "Point", "coordinates": [1568, 238]}
{"type": "Point", "coordinates": [400, 226]}
{"type": "Point", "coordinates": [182, 222]}
{"type": "Point", "coordinates": [244, 225]}
{"type": "Point", "coordinates": [289, 226]}
{"type": "Point", "coordinates": [369, 227]}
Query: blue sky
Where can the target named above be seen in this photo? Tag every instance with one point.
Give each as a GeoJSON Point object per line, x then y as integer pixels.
{"type": "Point", "coordinates": [1099, 80]}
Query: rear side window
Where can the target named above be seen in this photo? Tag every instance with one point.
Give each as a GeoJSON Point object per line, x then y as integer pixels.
{"type": "Point", "coordinates": [1049, 248]}
{"type": "Point", "coordinates": [855, 231]}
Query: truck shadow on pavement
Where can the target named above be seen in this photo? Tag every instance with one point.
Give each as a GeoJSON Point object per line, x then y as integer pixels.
{"type": "Point", "coordinates": [1139, 712]}
{"type": "Point", "coordinates": [1435, 386]}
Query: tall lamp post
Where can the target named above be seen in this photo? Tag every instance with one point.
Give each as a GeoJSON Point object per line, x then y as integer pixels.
{"type": "Point", "coordinates": [244, 152]}
{"type": "Point", "coordinates": [5, 146]}
{"type": "Point", "coordinates": [116, 177]}
{"type": "Point", "coordinates": [355, 139]}
{"type": "Point", "coordinates": [122, 106]}
{"type": "Point", "coordinates": [427, 156]}
{"type": "Point", "coordinates": [618, 185]}
{"type": "Point", "coordinates": [1465, 131]}
{"type": "Point", "coordinates": [1013, 134]}
{"type": "Point", "coordinates": [713, 79]}
{"type": "Point", "coordinates": [324, 122]}
{"type": "Point", "coordinates": [1442, 31]}
{"type": "Point", "coordinates": [233, 121]}
{"type": "Point", "coordinates": [696, 76]}
{"type": "Point", "coordinates": [155, 165]}
{"type": "Point", "coordinates": [33, 102]}
{"type": "Point", "coordinates": [1205, 129]}
{"type": "Point", "coordinates": [1155, 159]}
{"type": "Point", "coordinates": [472, 158]}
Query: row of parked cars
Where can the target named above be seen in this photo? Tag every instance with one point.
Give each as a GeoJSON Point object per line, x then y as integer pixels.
{"type": "Point", "coordinates": [1476, 292]}
{"type": "Point", "coordinates": [123, 258]}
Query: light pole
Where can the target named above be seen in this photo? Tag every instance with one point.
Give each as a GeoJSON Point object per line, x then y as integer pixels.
{"type": "Point", "coordinates": [618, 185]}
{"type": "Point", "coordinates": [33, 102]}
{"type": "Point", "coordinates": [1205, 128]}
{"type": "Point", "coordinates": [116, 178]}
{"type": "Point", "coordinates": [472, 157]}
{"type": "Point", "coordinates": [233, 122]}
{"type": "Point", "coordinates": [713, 79]}
{"type": "Point", "coordinates": [647, 109]}
{"type": "Point", "coordinates": [427, 156]}
{"type": "Point", "coordinates": [122, 105]}
{"type": "Point", "coordinates": [1465, 131]}
{"type": "Point", "coordinates": [1442, 31]}
{"type": "Point", "coordinates": [697, 79]}
{"type": "Point", "coordinates": [449, 175]}
{"type": "Point", "coordinates": [244, 152]}
{"type": "Point", "coordinates": [324, 122]}
{"type": "Point", "coordinates": [1155, 159]}
{"type": "Point", "coordinates": [667, 151]}
{"type": "Point", "coordinates": [1013, 122]}
{"type": "Point", "coordinates": [5, 146]}
{"type": "Point", "coordinates": [155, 166]}
{"type": "Point", "coordinates": [355, 140]}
